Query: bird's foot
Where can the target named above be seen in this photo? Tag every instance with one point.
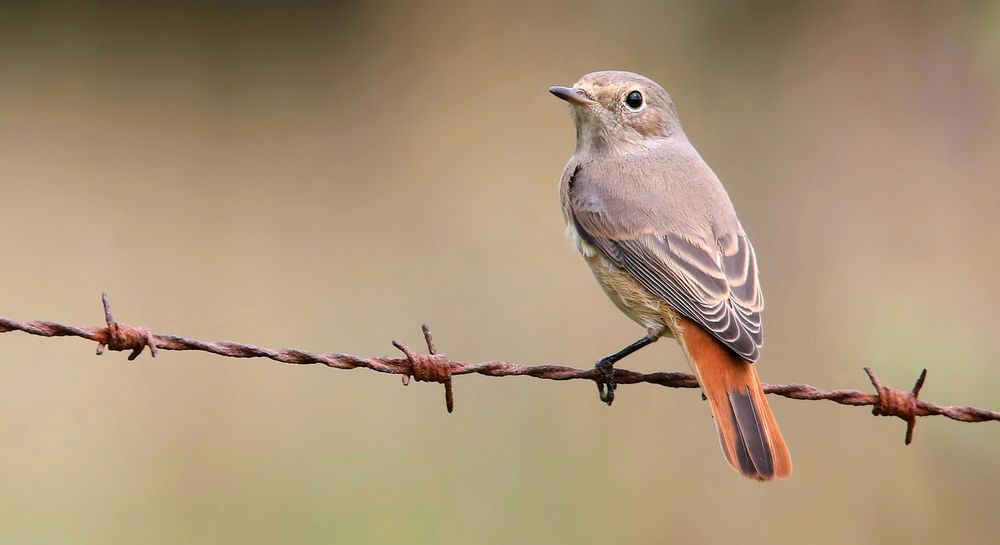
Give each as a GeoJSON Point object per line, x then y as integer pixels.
{"type": "Point", "coordinates": [606, 385]}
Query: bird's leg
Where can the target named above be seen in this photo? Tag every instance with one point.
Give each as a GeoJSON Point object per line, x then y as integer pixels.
{"type": "Point", "coordinates": [606, 366]}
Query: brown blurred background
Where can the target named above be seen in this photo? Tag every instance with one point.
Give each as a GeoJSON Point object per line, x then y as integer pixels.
{"type": "Point", "coordinates": [331, 176]}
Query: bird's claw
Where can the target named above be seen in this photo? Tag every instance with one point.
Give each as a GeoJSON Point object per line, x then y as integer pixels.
{"type": "Point", "coordinates": [606, 385]}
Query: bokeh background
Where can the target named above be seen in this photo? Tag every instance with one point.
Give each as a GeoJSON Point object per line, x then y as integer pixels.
{"type": "Point", "coordinates": [330, 176]}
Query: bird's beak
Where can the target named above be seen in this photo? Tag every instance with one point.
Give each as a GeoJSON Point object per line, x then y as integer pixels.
{"type": "Point", "coordinates": [572, 95]}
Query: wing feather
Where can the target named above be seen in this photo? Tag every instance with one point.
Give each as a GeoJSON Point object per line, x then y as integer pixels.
{"type": "Point", "coordinates": [713, 282]}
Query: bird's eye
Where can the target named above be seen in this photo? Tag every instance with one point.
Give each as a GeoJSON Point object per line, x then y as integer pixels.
{"type": "Point", "coordinates": [634, 100]}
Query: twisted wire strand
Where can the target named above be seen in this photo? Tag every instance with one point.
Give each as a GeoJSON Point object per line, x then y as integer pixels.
{"type": "Point", "coordinates": [434, 367]}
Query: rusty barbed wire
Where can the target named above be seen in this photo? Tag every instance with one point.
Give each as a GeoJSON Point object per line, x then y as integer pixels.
{"type": "Point", "coordinates": [437, 367]}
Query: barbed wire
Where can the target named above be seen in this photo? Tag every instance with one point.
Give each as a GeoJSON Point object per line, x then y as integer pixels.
{"type": "Point", "coordinates": [436, 367]}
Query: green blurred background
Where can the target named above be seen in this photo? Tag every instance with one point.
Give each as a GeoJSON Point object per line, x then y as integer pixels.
{"type": "Point", "coordinates": [329, 177]}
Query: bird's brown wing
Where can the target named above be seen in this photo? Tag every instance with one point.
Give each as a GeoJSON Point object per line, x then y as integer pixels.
{"type": "Point", "coordinates": [712, 282]}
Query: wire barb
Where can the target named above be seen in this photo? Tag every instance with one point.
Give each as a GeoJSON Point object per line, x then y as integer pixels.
{"type": "Point", "coordinates": [432, 367]}
{"type": "Point", "coordinates": [893, 402]}
{"type": "Point", "coordinates": [120, 337]}
{"type": "Point", "coordinates": [435, 367]}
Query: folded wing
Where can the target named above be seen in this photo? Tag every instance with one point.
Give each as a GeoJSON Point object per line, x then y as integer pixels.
{"type": "Point", "coordinates": [710, 280]}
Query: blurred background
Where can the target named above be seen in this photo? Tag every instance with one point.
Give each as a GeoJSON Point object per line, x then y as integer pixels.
{"type": "Point", "coordinates": [330, 176]}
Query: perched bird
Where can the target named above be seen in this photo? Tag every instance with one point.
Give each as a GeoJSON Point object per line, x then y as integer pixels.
{"type": "Point", "coordinates": [658, 231]}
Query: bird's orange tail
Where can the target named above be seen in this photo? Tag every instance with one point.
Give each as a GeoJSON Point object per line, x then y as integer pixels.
{"type": "Point", "coordinates": [748, 432]}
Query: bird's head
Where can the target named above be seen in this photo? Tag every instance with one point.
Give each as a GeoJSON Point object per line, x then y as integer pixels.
{"type": "Point", "coordinates": [619, 111]}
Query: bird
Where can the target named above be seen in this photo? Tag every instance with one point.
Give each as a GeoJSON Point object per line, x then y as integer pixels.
{"type": "Point", "coordinates": [661, 236]}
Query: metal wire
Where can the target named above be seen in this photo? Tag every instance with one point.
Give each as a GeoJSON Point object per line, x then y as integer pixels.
{"type": "Point", "coordinates": [434, 367]}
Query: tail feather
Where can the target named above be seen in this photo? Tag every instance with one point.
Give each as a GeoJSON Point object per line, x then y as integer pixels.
{"type": "Point", "coordinates": [748, 432]}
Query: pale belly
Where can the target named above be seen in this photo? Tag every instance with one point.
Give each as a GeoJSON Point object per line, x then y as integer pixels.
{"type": "Point", "coordinates": [634, 300]}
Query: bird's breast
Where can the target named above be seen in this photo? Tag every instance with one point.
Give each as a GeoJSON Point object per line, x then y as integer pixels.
{"type": "Point", "coordinates": [631, 297]}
